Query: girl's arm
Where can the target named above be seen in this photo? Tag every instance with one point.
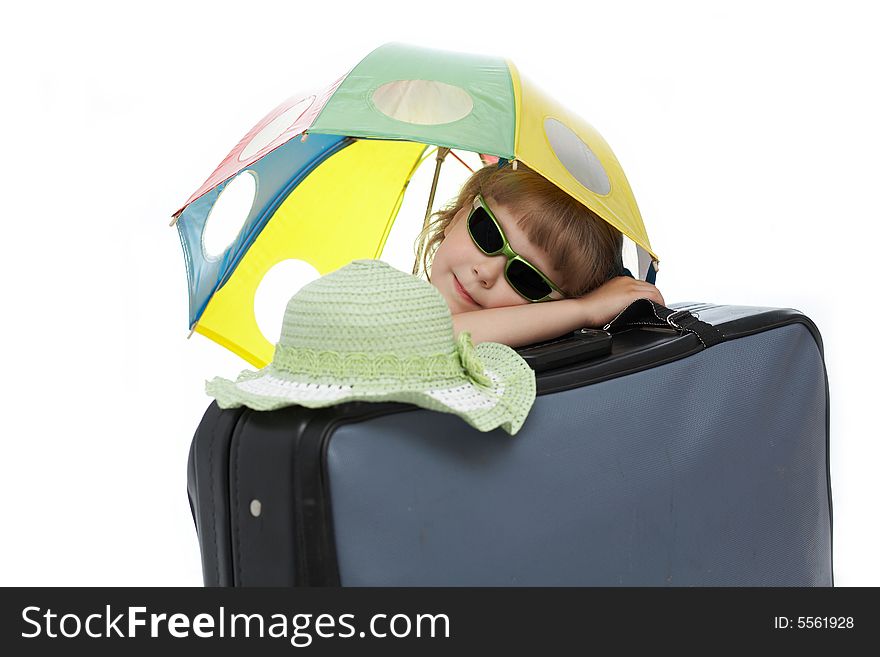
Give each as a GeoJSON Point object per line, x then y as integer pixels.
{"type": "Point", "coordinates": [517, 326]}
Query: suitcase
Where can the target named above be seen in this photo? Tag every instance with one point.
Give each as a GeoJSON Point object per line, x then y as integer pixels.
{"type": "Point", "coordinates": [695, 453]}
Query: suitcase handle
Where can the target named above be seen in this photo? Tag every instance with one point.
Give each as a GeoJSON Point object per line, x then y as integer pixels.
{"type": "Point", "coordinates": [644, 312]}
{"type": "Point", "coordinates": [576, 347]}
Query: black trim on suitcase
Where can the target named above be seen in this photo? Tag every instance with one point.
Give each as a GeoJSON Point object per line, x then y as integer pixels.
{"type": "Point", "coordinates": [262, 482]}
{"type": "Point", "coordinates": [638, 348]}
{"type": "Point", "coordinates": [828, 467]}
{"type": "Point", "coordinates": [208, 492]}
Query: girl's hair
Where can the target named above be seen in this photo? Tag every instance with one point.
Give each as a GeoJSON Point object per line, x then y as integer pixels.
{"type": "Point", "coordinates": [583, 246]}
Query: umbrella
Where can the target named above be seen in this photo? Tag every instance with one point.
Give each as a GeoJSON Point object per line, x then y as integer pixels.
{"type": "Point", "coordinates": [325, 172]}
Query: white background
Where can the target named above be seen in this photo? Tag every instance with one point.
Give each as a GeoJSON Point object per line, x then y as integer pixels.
{"type": "Point", "coordinates": [748, 132]}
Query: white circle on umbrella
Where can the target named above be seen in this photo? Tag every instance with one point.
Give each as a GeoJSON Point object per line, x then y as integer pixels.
{"type": "Point", "coordinates": [228, 214]}
{"type": "Point", "coordinates": [275, 128]}
{"type": "Point", "coordinates": [280, 283]}
{"type": "Point", "coordinates": [423, 102]}
{"type": "Point", "coordinates": [578, 158]}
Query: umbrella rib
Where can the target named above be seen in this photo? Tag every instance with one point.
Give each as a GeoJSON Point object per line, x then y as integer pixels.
{"type": "Point", "coordinates": [460, 160]}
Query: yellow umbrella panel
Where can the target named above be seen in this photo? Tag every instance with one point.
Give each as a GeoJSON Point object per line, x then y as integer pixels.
{"type": "Point", "coordinates": [356, 193]}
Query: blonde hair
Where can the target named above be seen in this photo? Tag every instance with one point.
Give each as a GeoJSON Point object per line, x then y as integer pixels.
{"type": "Point", "coordinates": [580, 244]}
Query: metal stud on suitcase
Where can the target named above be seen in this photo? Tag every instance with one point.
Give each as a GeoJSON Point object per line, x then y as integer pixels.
{"type": "Point", "coordinates": [695, 453]}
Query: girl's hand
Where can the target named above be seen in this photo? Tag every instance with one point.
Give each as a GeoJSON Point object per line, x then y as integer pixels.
{"type": "Point", "coordinates": [606, 301]}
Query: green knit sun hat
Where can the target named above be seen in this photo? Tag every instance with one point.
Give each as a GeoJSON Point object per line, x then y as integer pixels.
{"type": "Point", "coordinates": [370, 332]}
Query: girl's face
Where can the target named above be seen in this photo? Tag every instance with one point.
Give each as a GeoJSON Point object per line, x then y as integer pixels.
{"type": "Point", "coordinates": [469, 279]}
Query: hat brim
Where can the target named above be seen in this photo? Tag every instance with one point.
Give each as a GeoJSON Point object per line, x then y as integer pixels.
{"type": "Point", "coordinates": [504, 404]}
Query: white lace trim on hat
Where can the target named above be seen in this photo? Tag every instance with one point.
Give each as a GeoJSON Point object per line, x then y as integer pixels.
{"type": "Point", "coordinates": [463, 398]}
{"type": "Point", "coordinates": [272, 386]}
{"type": "Point", "coordinates": [467, 398]}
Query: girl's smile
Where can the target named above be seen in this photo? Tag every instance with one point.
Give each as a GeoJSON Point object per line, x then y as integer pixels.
{"type": "Point", "coordinates": [463, 292]}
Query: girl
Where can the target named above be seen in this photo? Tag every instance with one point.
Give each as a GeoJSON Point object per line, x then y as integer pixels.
{"type": "Point", "coordinates": [513, 238]}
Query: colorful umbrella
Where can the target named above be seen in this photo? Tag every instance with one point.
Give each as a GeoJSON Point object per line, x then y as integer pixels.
{"type": "Point", "coordinates": [328, 170]}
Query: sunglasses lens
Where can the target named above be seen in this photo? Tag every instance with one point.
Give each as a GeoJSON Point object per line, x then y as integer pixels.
{"type": "Point", "coordinates": [527, 281]}
{"type": "Point", "coordinates": [484, 231]}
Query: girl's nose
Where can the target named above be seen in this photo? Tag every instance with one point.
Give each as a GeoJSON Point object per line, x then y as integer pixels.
{"type": "Point", "coordinates": [489, 269]}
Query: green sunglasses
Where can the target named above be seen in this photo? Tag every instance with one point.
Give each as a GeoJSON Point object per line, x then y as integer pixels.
{"type": "Point", "coordinates": [485, 230]}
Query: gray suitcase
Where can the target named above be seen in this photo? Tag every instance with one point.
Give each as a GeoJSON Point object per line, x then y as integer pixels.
{"type": "Point", "coordinates": [696, 453]}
